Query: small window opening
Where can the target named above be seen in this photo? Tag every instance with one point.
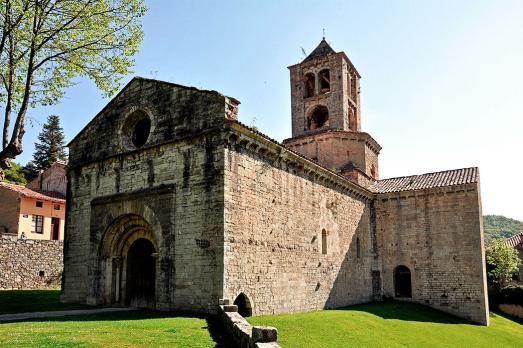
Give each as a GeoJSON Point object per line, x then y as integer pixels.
{"type": "Point", "coordinates": [319, 117]}
{"type": "Point", "coordinates": [41, 274]}
{"type": "Point", "coordinates": [373, 171]}
{"type": "Point", "coordinates": [57, 207]}
{"type": "Point", "coordinates": [358, 250]}
{"type": "Point", "coordinates": [37, 224]}
{"type": "Point", "coordinates": [244, 305]}
{"type": "Point", "coordinates": [141, 132]}
{"type": "Point", "coordinates": [39, 204]}
{"type": "Point", "coordinates": [325, 80]}
{"type": "Point", "coordinates": [324, 242]}
{"type": "Point", "coordinates": [309, 85]}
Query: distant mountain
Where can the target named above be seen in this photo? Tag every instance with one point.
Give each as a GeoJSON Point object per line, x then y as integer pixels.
{"type": "Point", "coordinates": [498, 226]}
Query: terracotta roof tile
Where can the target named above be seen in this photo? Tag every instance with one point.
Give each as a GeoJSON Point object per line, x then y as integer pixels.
{"type": "Point", "coordinates": [515, 241]}
{"type": "Point", "coordinates": [425, 181]}
{"type": "Point", "coordinates": [36, 194]}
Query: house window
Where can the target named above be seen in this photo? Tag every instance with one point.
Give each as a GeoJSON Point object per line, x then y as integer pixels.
{"type": "Point", "coordinates": [57, 207]}
{"type": "Point", "coordinates": [39, 204]}
{"type": "Point", "coordinates": [324, 242]}
{"type": "Point", "coordinates": [37, 224]}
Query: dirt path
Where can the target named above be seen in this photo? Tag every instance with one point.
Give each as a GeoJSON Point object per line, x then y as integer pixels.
{"type": "Point", "coordinates": [55, 314]}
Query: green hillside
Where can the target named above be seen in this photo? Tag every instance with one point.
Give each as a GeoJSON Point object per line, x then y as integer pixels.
{"type": "Point", "coordinates": [498, 226]}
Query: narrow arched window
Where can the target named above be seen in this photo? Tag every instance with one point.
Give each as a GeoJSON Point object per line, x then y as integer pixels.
{"type": "Point", "coordinates": [358, 252]}
{"type": "Point", "coordinates": [324, 242]}
{"type": "Point", "coordinates": [373, 171]}
{"type": "Point", "coordinates": [309, 85]}
{"type": "Point", "coordinates": [325, 80]}
{"type": "Point", "coordinates": [244, 305]}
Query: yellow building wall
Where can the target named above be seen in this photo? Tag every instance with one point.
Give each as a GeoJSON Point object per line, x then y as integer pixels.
{"type": "Point", "coordinates": [28, 208]}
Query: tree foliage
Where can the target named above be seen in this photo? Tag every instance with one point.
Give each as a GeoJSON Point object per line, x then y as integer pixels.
{"type": "Point", "coordinates": [503, 259]}
{"type": "Point", "coordinates": [46, 44]}
{"type": "Point", "coordinates": [15, 174]}
{"type": "Point", "coordinates": [50, 146]}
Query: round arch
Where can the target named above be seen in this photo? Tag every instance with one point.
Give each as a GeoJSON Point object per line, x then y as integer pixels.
{"type": "Point", "coordinates": [128, 262]}
{"type": "Point", "coordinates": [244, 305]}
{"type": "Point", "coordinates": [318, 117]}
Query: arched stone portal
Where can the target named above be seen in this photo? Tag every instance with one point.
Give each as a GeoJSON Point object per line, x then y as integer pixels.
{"type": "Point", "coordinates": [402, 282]}
{"type": "Point", "coordinates": [129, 266]}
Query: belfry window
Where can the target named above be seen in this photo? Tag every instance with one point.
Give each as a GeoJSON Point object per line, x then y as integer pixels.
{"type": "Point", "coordinates": [309, 85]}
{"type": "Point", "coordinates": [319, 117]}
{"type": "Point", "coordinates": [325, 80]}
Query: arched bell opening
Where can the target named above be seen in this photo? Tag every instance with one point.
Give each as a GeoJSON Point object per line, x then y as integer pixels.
{"type": "Point", "coordinates": [318, 117]}
{"type": "Point", "coordinates": [244, 305]}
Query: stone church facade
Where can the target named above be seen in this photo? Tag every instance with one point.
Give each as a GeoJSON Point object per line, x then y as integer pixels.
{"type": "Point", "coordinates": [173, 204]}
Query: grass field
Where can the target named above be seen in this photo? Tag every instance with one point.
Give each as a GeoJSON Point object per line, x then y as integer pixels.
{"type": "Point", "coordinates": [121, 329]}
{"type": "Point", "coordinates": [389, 324]}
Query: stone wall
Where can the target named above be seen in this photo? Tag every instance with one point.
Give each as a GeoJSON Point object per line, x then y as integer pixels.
{"type": "Point", "coordinates": [275, 217]}
{"type": "Point", "coordinates": [438, 234]}
{"type": "Point", "coordinates": [28, 264]}
{"type": "Point", "coordinates": [243, 334]}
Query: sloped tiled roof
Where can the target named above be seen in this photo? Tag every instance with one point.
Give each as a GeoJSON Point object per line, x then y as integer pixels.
{"type": "Point", "coordinates": [425, 181]}
{"type": "Point", "coordinates": [515, 241]}
{"type": "Point", "coordinates": [36, 194]}
{"type": "Point", "coordinates": [323, 49]}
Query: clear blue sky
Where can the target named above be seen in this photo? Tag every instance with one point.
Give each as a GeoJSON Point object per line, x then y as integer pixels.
{"type": "Point", "coordinates": [442, 81]}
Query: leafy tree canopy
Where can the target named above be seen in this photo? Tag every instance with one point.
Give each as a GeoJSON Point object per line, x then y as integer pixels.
{"type": "Point", "coordinates": [45, 44]}
{"type": "Point", "coordinates": [15, 174]}
{"type": "Point", "coordinates": [503, 259]}
{"type": "Point", "coordinates": [50, 146]}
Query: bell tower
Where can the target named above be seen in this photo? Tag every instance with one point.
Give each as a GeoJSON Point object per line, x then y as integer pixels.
{"type": "Point", "coordinates": [325, 92]}
{"type": "Point", "coordinates": [326, 115]}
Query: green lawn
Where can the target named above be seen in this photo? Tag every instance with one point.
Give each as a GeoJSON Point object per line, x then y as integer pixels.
{"type": "Point", "coordinates": [17, 301]}
{"type": "Point", "coordinates": [119, 329]}
{"type": "Point", "coordinates": [389, 324]}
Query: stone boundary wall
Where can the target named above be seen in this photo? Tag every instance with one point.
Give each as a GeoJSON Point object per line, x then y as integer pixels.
{"type": "Point", "coordinates": [243, 334]}
{"type": "Point", "coordinates": [29, 264]}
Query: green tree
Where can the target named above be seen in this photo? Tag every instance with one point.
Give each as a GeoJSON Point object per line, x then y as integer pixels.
{"type": "Point", "coordinates": [504, 261]}
{"type": "Point", "coordinates": [46, 44]}
{"type": "Point", "coordinates": [15, 174]}
{"type": "Point", "coordinates": [50, 146]}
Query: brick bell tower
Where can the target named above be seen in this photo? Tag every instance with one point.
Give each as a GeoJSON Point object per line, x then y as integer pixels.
{"type": "Point", "coordinates": [326, 116]}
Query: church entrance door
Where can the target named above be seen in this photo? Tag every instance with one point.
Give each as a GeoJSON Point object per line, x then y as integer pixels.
{"type": "Point", "coordinates": [141, 274]}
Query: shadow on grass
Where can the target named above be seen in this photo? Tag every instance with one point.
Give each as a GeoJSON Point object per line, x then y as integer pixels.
{"type": "Point", "coordinates": [406, 311]}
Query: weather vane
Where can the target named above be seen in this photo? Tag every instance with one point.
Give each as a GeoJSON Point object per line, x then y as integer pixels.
{"type": "Point", "coordinates": [324, 33]}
